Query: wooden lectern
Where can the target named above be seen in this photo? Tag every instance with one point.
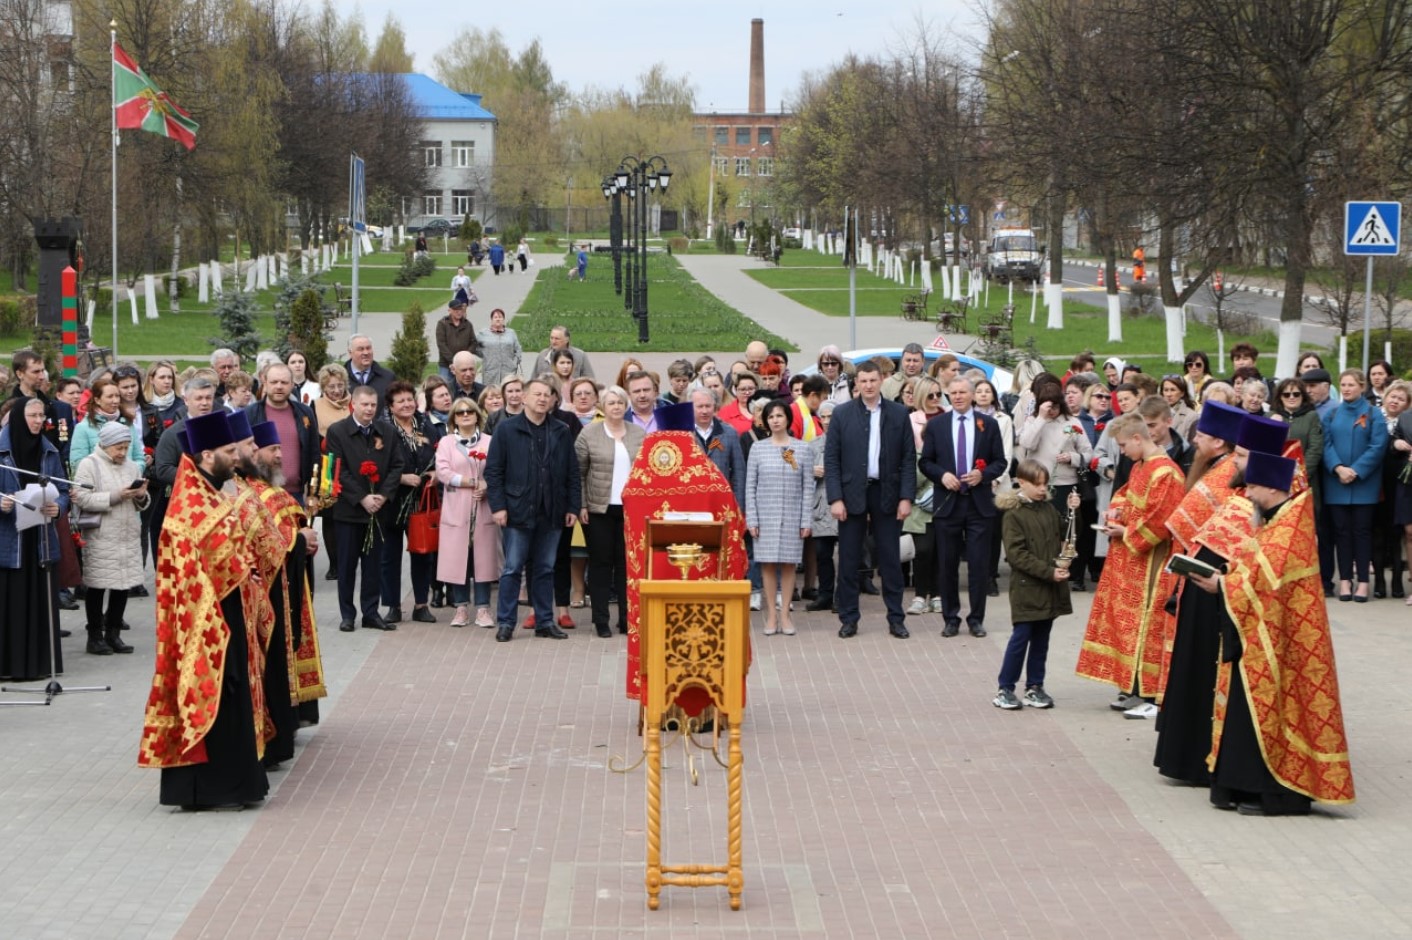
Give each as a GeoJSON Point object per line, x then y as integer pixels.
{"type": "Point", "coordinates": [694, 635]}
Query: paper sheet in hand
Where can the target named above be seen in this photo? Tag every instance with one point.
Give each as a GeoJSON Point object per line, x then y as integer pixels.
{"type": "Point", "coordinates": [1186, 565]}
{"type": "Point", "coordinates": [29, 501]}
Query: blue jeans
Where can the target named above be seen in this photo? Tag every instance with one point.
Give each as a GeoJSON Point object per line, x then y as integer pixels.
{"type": "Point", "coordinates": [529, 550]}
{"type": "Point", "coordinates": [1031, 636]}
{"type": "Point", "coordinates": [461, 593]}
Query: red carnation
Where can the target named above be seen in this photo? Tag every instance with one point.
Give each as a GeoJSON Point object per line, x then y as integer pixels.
{"type": "Point", "coordinates": [1100, 426]}
{"type": "Point", "coordinates": [370, 470]}
{"type": "Point", "coordinates": [980, 464]}
{"type": "Point", "coordinates": [167, 423]}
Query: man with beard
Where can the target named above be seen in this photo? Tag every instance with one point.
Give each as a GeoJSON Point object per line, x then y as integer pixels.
{"type": "Point", "coordinates": [200, 725]}
{"type": "Point", "coordinates": [1278, 740]}
{"type": "Point", "coordinates": [1210, 525]}
{"type": "Point", "coordinates": [297, 426]}
{"type": "Point", "coordinates": [293, 614]}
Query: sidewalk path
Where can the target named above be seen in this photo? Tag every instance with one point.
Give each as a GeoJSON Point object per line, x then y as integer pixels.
{"type": "Point", "coordinates": [724, 276]}
{"type": "Point", "coordinates": [457, 787]}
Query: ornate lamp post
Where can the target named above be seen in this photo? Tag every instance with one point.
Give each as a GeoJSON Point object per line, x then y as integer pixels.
{"type": "Point", "coordinates": [615, 229]}
{"type": "Point", "coordinates": [639, 176]}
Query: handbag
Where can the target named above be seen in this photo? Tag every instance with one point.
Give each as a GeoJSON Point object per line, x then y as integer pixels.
{"type": "Point", "coordinates": [906, 549]}
{"type": "Point", "coordinates": [86, 521]}
{"type": "Point", "coordinates": [424, 523]}
{"type": "Point", "coordinates": [1087, 485]}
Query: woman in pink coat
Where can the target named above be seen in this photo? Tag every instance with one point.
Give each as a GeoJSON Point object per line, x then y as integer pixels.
{"type": "Point", "coordinates": [470, 539]}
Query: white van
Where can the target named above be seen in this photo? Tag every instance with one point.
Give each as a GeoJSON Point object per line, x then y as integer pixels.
{"type": "Point", "coordinates": [1013, 254]}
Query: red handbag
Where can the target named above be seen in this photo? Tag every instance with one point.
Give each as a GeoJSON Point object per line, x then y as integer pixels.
{"type": "Point", "coordinates": [424, 524]}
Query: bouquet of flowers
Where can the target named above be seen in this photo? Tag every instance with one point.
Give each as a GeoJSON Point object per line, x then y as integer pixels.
{"type": "Point", "coordinates": [369, 471]}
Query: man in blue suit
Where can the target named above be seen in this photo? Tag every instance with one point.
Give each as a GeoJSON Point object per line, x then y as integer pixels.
{"type": "Point", "coordinates": [870, 477]}
{"type": "Point", "coordinates": [963, 454]}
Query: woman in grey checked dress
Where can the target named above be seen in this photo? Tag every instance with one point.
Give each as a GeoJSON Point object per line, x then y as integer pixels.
{"type": "Point", "coordinates": [779, 510]}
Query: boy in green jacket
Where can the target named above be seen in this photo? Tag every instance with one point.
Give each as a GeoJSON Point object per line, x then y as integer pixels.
{"type": "Point", "coordinates": [1033, 535]}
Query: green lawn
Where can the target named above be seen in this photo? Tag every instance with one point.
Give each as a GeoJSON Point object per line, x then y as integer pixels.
{"type": "Point", "coordinates": [821, 284]}
{"type": "Point", "coordinates": [682, 315]}
{"type": "Point", "coordinates": [397, 299]}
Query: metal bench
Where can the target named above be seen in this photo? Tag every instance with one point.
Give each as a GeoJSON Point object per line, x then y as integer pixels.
{"type": "Point", "coordinates": [951, 318]}
{"type": "Point", "coordinates": [914, 306]}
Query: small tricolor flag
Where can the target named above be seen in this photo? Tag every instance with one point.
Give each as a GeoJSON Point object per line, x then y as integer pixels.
{"type": "Point", "coordinates": [140, 104]}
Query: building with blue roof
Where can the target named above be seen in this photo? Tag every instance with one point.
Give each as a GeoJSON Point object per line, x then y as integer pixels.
{"type": "Point", "coordinates": [458, 145]}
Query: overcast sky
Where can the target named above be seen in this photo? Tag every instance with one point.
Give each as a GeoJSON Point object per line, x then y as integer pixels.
{"type": "Point", "coordinates": [709, 42]}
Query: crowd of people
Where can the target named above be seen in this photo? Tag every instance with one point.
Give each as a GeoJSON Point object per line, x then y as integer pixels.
{"type": "Point", "coordinates": [501, 474]}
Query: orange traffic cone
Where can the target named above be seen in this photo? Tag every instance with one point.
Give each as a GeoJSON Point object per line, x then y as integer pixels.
{"type": "Point", "coordinates": [1216, 284]}
{"type": "Point", "coordinates": [1100, 275]}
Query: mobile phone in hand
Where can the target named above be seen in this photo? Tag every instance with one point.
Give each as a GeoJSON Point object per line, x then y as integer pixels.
{"type": "Point", "coordinates": [135, 484]}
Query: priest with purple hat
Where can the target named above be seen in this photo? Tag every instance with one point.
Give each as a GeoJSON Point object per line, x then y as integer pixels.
{"type": "Point", "coordinates": [201, 720]}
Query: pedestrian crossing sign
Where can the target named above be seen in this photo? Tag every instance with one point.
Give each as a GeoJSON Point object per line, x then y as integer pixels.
{"type": "Point", "coordinates": [1371, 228]}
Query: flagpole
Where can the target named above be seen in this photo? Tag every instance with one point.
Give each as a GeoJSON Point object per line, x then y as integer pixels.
{"type": "Point", "coordinates": [113, 117]}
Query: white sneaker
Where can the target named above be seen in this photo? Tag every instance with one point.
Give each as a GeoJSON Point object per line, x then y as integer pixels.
{"type": "Point", "coordinates": [936, 605]}
{"type": "Point", "coordinates": [755, 600]}
{"type": "Point", "coordinates": [919, 606]}
{"type": "Point", "coordinates": [1124, 701]}
{"type": "Point", "coordinates": [1145, 710]}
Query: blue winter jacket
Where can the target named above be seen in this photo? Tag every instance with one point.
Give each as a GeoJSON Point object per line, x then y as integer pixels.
{"type": "Point", "coordinates": [1355, 435]}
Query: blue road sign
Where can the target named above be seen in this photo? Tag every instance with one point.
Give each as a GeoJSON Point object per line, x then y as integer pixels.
{"type": "Point", "coordinates": [960, 215]}
{"type": "Point", "coordinates": [1371, 228]}
{"type": "Point", "coordinates": [357, 195]}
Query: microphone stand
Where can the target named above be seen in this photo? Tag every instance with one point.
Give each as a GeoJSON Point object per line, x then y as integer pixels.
{"type": "Point", "coordinates": [52, 688]}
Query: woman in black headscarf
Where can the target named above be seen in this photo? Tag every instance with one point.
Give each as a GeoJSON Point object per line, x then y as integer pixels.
{"type": "Point", "coordinates": [28, 596]}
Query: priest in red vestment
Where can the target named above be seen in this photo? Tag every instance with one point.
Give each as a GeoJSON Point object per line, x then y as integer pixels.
{"type": "Point", "coordinates": [200, 725]}
{"type": "Point", "coordinates": [1277, 739]}
{"type": "Point", "coordinates": [1127, 630]}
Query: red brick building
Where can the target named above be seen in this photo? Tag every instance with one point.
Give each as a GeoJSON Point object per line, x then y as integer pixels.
{"type": "Point", "coordinates": [743, 145]}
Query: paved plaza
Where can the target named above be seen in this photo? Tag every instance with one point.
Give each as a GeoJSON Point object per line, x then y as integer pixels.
{"type": "Point", "coordinates": [456, 787]}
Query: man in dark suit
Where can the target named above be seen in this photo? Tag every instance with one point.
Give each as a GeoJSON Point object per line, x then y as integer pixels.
{"type": "Point", "coordinates": [719, 442]}
{"type": "Point", "coordinates": [963, 454]}
{"type": "Point", "coordinates": [358, 440]}
{"type": "Point", "coordinates": [363, 369]}
{"type": "Point", "coordinates": [870, 477]}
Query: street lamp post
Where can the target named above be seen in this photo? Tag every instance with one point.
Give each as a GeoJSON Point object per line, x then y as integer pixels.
{"type": "Point", "coordinates": [615, 229]}
{"type": "Point", "coordinates": [639, 177]}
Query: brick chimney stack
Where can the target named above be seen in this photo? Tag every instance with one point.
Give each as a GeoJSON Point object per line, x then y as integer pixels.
{"type": "Point", "coordinates": [757, 66]}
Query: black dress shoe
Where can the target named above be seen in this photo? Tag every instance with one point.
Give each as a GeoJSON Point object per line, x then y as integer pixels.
{"type": "Point", "coordinates": [331, 576]}
{"type": "Point", "coordinates": [65, 634]}
{"type": "Point", "coordinates": [848, 630]}
{"type": "Point", "coordinates": [951, 629]}
{"type": "Point", "coordinates": [898, 630]}
{"type": "Point", "coordinates": [374, 622]}
{"type": "Point", "coordinates": [1077, 586]}
{"type": "Point", "coordinates": [551, 632]}
{"type": "Point", "coordinates": [505, 633]}
{"type": "Point", "coordinates": [819, 603]}
{"type": "Point", "coordinates": [866, 586]}
{"type": "Point", "coordinates": [422, 615]}
{"type": "Point", "coordinates": [115, 642]}
{"type": "Point", "coordinates": [603, 630]}
{"type": "Point", "coordinates": [347, 626]}
{"type": "Point", "coordinates": [139, 591]}
{"type": "Point", "coordinates": [808, 594]}
{"type": "Point", "coordinates": [394, 614]}
{"type": "Point", "coordinates": [994, 589]}
{"type": "Point", "coordinates": [977, 630]}
{"type": "Point", "coordinates": [1397, 589]}
{"type": "Point", "coordinates": [438, 596]}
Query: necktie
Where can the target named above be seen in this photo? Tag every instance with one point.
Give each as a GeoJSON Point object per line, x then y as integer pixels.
{"type": "Point", "coordinates": [366, 429]}
{"type": "Point", "coordinates": [362, 378]}
{"type": "Point", "coordinates": [963, 462]}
